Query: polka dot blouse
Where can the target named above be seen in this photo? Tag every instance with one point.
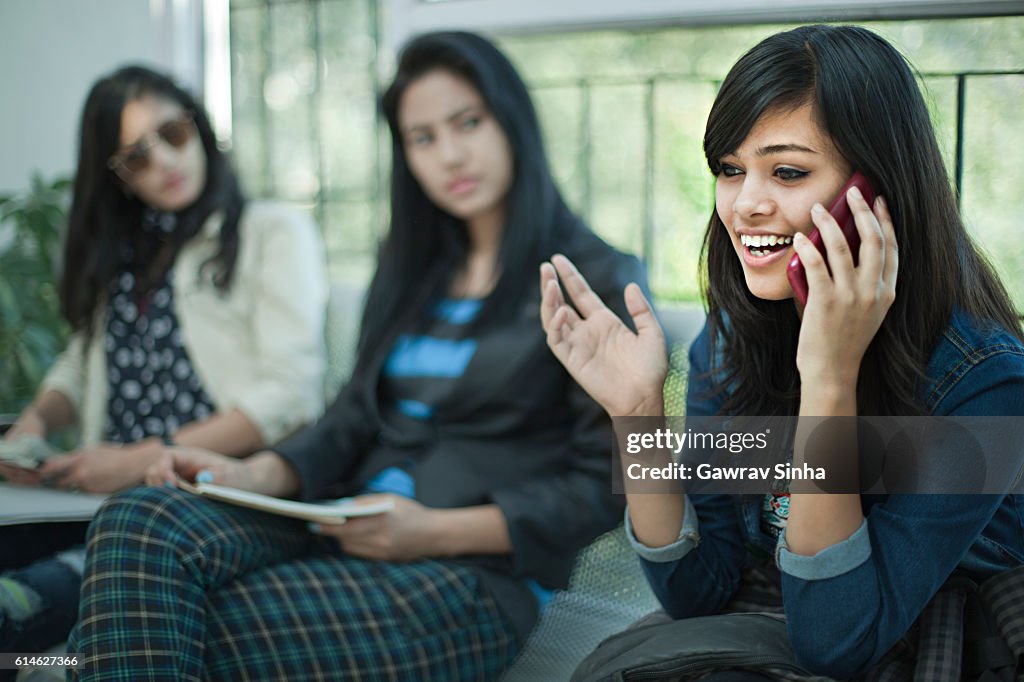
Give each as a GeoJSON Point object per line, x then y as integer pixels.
{"type": "Point", "coordinates": [153, 390]}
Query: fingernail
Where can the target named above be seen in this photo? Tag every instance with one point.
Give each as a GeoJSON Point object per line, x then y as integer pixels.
{"type": "Point", "coordinates": [204, 476]}
{"type": "Point", "coordinates": [314, 528]}
{"type": "Point", "coordinates": [855, 193]}
{"type": "Point", "coordinates": [799, 237]}
{"type": "Point", "coordinates": [818, 208]}
{"type": "Point", "coordinates": [881, 203]}
{"type": "Point", "coordinates": [168, 484]}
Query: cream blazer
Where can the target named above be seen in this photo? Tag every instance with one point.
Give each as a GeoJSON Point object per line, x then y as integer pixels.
{"type": "Point", "coordinates": [258, 347]}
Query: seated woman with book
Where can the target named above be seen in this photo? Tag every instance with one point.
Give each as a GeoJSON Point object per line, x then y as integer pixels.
{"type": "Point", "coordinates": [495, 463]}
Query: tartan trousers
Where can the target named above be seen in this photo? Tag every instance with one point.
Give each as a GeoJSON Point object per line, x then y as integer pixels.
{"type": "Point", "coordinates": [178, 587]}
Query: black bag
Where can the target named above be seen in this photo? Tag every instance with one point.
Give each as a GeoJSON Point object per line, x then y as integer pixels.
{"type": "Point", "coordinates": [659, 648]}
{"type": "Point", "coordinates": [965, 633]}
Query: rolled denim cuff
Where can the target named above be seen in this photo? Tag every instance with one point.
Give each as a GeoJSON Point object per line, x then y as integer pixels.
{"type": "Point", "coordinates": [830, 562]}
{"type": "Point", "coordinates": [689, 537]}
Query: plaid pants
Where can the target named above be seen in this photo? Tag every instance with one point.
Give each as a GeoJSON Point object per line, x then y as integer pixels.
{"type": "Point", "coordinates": [178, 587]}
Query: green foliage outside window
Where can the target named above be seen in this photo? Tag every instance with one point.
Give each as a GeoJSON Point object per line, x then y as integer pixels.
{"type": "Point", "coordinates": [32, 330]}
{"type": "Point", "coordinates": [623, 113]}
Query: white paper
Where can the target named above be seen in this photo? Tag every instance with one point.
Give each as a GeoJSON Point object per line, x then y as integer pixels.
{"type": "Point", "coordinates": [323, 512]}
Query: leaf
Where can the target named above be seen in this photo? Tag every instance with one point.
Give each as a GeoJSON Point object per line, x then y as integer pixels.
{"type": "Point", "coordinates": [29, 364]}
{"type": "Point", "coordinates": [31, 326]}
{"type": "Point", "coordinates": [10, 310]}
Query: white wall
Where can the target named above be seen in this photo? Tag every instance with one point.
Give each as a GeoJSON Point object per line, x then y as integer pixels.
{"type": "Point", "coordinates": [51, 51]}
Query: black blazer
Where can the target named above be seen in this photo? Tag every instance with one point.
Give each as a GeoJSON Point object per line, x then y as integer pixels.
{"type": "Point", "coordinates": [517, 432]}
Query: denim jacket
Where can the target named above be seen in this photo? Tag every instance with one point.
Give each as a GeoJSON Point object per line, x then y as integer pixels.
{"type": "Point", "coordinates": [849, 604]}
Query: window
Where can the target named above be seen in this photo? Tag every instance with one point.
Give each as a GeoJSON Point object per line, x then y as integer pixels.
{"type": "Point", "coordinates": [304, 92]}
{"type": "Point", "coordinates": [623, 112]}
{"type": "Point", "coordinates": [624, 115]}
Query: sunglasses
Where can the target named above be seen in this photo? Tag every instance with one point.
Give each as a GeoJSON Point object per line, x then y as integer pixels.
{"type": "Point", "coordinates": [136, 158]}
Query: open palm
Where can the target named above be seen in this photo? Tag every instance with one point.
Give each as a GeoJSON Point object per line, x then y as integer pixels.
{"type": "Point", "coordinates": [623, 371]}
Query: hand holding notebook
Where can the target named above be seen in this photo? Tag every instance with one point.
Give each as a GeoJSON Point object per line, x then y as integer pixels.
{"type": "Point", "coordinates": [327, 511]}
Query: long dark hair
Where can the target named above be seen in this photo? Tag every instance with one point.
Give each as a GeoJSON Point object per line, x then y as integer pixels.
{"type": "Point", "coordinates": [105, 218]}
{"type": "Point", "coordinates": [425, 246]}
{"type": "Point", "coordinates": [864, 96]}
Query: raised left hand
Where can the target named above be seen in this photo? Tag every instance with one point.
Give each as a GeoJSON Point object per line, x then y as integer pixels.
{"type": "Point", "coordinates": [621, 370]}
{"type": "Point", "coordinates": [102, 468]}
{"type": "Point", "coordinates": [845, 309]}
{"type": "Point", "coordinates": [403, 534]}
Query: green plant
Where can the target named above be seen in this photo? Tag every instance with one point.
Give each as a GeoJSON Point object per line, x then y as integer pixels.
{"type": "Point", "coordinates": [32, 330]}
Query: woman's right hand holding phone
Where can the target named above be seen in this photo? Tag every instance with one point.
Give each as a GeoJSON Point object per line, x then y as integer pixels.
{"type": "Point", "coordinates": [622, 370]}
{"type": "Point", "coordinates": [845, 308]}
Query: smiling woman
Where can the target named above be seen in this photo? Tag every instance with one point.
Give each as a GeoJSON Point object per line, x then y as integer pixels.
{"type": "Point", "coordinates": [766, 189]}
{"type": "Point", "coordinates": [925, 328]}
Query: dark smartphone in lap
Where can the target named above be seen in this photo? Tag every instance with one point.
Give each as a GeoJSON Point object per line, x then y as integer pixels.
{"type": "Point", "coordinates": [840, 210]}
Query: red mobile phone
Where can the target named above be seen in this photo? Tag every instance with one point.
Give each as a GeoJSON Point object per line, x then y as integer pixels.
{"type": "Point", "coordinates": [840, 210]}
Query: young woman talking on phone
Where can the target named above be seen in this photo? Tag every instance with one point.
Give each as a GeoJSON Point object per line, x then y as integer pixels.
{"type": "Point", "coordinates": [920, 325]}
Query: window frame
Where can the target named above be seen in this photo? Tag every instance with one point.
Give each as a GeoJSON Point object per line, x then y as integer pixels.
{"type": "Point", "coordinates": [404, 18]}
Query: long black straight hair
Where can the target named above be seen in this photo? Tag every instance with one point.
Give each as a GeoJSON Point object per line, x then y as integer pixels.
{"type": "Point", "coordinates": [864, 96]}
{"type": "Point", "coordinates": [425, 246]}
{"type": "Point", "coordinates": [105, 218]}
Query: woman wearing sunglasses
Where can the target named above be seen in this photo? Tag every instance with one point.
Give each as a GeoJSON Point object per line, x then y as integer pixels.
{"type": "Point", "coordinates": [197, 320]}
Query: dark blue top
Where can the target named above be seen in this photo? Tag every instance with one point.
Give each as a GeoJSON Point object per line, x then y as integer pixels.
{"type": "Point", "coordinates": [421, 373]}
{"type": "Point", "coordinates": [849, 604]}
{"type": "Point", "coordinates": [423, 368]}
